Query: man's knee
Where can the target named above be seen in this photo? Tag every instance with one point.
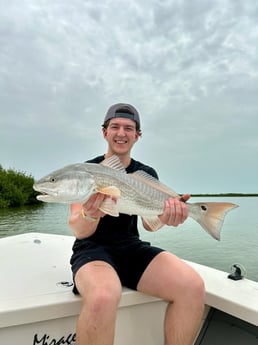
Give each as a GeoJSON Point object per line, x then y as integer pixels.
{"type": "Point", "coordinates": [197, 288]}
{"type": "Point", "coordinates": [102, 299]}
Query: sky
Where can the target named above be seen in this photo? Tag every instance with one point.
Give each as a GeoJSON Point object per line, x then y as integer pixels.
{"type": "Point", "coordinates": [189, 67]}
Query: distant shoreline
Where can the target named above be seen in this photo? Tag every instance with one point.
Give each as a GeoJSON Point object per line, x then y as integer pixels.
{"type": "Point", "coordinates": [226, 195]}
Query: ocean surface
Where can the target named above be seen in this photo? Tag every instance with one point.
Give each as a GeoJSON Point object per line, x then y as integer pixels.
{"type": "Point", "coordinates": [238, 244]}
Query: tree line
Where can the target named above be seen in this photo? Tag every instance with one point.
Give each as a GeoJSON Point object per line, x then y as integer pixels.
{"type": "Point", "coordinates": [16, 189]}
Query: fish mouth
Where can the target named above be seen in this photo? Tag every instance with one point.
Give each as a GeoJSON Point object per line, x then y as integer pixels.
{"type": "Point", "coordinates": [43, 196]}
{"type": "Point", "coordinates": [48, 194]}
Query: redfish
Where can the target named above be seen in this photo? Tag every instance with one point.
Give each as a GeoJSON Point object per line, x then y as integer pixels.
{"type": "Point", "coordinates": [134, 194]}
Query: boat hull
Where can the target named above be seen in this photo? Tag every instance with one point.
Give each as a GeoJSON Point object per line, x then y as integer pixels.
{"type": "Point", "coordinates": [132, 323]}
{"type": "Point", "coordinates": [37, 305]}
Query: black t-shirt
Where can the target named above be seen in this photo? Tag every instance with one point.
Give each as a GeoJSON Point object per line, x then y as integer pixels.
{"type": "Point", "coordinates": [117, 229]}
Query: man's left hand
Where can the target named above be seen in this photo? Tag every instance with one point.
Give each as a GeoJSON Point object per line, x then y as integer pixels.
{"type": "Point", "coordinates": [175, 211]}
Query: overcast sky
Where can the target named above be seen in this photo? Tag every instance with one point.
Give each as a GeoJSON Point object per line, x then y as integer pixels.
{"type": "Point", "coordinates": [190, 68]}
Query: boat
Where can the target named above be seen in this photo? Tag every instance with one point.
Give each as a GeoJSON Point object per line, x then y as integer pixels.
{"type": "Point", "coordinates": [37, 305]}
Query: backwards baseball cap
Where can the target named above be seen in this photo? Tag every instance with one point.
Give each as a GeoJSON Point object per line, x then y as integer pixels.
{"type": "Point", "coordinates": [123, 110]}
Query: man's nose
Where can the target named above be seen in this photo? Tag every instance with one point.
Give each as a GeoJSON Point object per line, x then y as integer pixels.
{"type": "Point", "coordinates": [121, 131]}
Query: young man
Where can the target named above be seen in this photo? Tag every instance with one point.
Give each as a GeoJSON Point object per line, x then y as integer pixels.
{"type": "Point", "coordinates": [108, 253]}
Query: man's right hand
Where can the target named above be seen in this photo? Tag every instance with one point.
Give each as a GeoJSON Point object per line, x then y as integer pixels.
{"type": "Point", "coordinates": [91, 206]}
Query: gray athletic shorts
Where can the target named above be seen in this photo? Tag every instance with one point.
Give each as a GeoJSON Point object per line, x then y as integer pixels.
{"type": "Point", "coordinates": [129, 258]}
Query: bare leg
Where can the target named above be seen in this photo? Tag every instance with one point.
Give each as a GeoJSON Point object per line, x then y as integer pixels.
{"type": "Point", "coordinates": [100, 289]}
{"type": "Point", "coordinates": [173, 280]}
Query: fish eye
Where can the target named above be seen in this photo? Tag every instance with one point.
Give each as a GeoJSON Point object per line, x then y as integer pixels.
{"type": "Point", "coordinates": [52, 179]}
{"type": "Point", "coordinates": [203, 207]}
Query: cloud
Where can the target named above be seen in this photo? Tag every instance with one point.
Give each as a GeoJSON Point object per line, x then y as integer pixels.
{"type": "Point", "coordinates": [190, 68]}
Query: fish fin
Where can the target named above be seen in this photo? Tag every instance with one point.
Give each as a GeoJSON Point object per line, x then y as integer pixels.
{"type": "Point", "coordinates": [109, 206]}
{"type": "Point", "coordinates": [153, 222]}
{"type": "Point", "coordinates": [144, 177]}
{"type": "Point", "coordinates": [110, 190]}
{"type": "Point", "coordinates": [114, 162]}
{"type": "Point", "coordinates": [211, 215]}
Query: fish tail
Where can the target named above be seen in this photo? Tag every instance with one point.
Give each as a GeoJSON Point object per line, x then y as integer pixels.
{"type": "Point", "coordinates": [210, 215]}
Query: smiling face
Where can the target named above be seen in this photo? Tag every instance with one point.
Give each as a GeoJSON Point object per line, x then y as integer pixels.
{"type": "Point", "coordinates": [121, 134]}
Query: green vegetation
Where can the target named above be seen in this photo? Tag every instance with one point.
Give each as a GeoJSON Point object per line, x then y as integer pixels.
{"type": "Point", "coordinates": [16, 189]}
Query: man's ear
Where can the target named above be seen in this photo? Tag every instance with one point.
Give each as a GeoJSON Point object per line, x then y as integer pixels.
{"type": "Point", "coordinates": [137, 136]}
{"type": "Point", "coordinates": [104, 132]}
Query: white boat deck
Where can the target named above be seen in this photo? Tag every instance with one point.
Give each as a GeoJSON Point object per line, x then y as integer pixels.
{"type": "Point", "coordinates": [35, 277]}
{"type": "Point", "coordinates": [237, 298]}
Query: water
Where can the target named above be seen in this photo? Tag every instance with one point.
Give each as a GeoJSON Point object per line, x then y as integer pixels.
{"type": "Point", "coordinates": [239, 237]}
